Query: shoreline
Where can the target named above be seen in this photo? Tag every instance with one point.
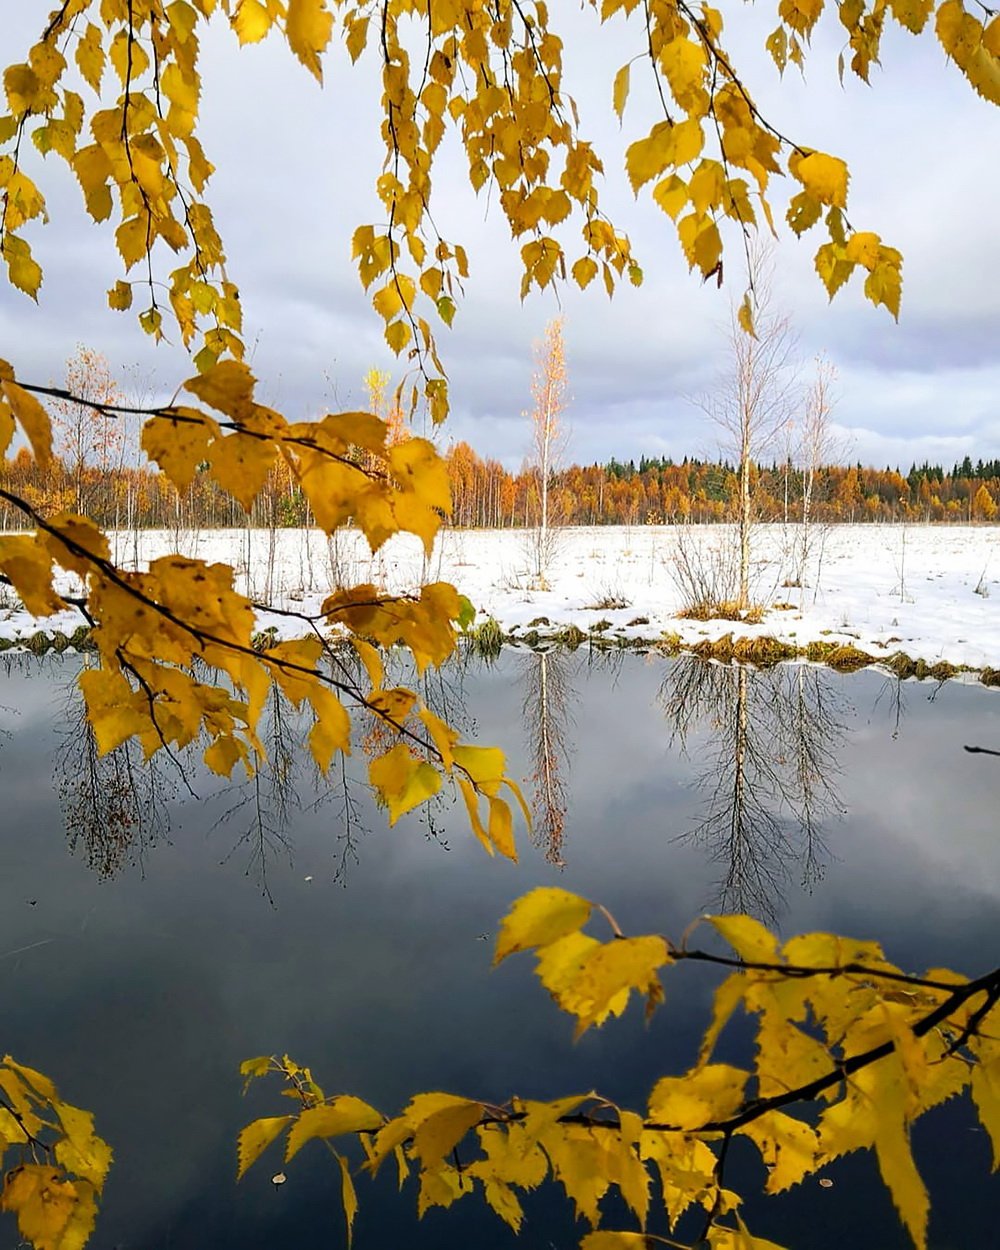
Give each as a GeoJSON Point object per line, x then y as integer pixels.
{"type": "Point", "coordinates": [915, 600]}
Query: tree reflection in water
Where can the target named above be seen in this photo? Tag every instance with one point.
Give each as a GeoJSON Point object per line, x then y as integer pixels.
{"type": "Point", "coordinates": [115, 806]}
{"type": "Point", "coordinates": [546, 676]}
{"type": "Point", "coordinates": [766, 761]}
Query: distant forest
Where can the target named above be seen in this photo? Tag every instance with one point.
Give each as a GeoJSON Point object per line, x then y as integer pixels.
{"type": "Point", "coordinates": [650, 491]}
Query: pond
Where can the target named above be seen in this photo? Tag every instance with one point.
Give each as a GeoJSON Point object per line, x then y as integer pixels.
{"type": "Point", "coordinates": [155, 932]}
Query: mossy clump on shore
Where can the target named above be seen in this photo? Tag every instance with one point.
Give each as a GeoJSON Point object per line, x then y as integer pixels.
{"type": "Point", "coordinates": [570, 637]}
{"type": "Point", "coordinates": [842, 656]}
{"type": "Point", "coordinates": [762, 652]}
{"type": "Point", "coordinates": [486, 639]}
{"type": "Point", "coordinates": [82, 638]}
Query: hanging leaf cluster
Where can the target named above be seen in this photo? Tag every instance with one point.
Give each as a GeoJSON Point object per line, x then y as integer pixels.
{"type": "Point", "coordinates": [113, 88]}
{"type": "Point", "coordinates": [848, 1052]}
{"type": "Point", "coordinates": [54, 1163]}
{"type": "Point", "coordinates": [178, 655]}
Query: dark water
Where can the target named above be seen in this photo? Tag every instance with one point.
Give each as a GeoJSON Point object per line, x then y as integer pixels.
{"type": "Point", "coordinates": [151, 940]}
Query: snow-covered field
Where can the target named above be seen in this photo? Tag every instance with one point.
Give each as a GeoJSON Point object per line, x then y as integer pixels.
{"type": "Point", "coordinates": [931, 592]}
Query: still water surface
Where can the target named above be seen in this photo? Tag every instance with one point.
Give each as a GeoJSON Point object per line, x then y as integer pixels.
{"type": "Point", "coordinates": [150, 939]}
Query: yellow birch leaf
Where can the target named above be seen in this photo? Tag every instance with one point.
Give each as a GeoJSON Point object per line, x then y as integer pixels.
{"type": "Point", "coordinates": [332, 731]}
{"type": "Point", "coordinates": [500, 829]}
{"type": "Point", "coordinates": [540, 918]}
{"type": "Point", "coordinates": [707, 251]}
{"type": "Point", "coordinates": [787, 1147]}
{"type": "Point", "coordinates": [440, 1187]}
{"type": "Point", "coordinates": [133, 238]}
{"type": "Point", "coordinates": [23, 271]}
{"type": "Point", "coordinates": [484, 766]}
{"type": "Point", "coordinates": [345, 1114]}
{"type": "Point", "coordinates": [179, 443]}
{"type": "Point", "coordinates": [38, 1081]}
{"type": "Point", "coordinates": [504, 1202]}
{"type": "Point", "coordinates": [43, 1200]}
{"type": "Point", "coordinates": [824, 177]}
{"type": "Point", "coordinates": [605, 977]}
{"type": "Point", "coordinates": [648, 158]}
{"type": "Point", "coordinates": [392, 705]}
{"type": "Point", "coordinates": [777, 45]}
{"type": "Point", "coordinates": [621, 87]}
{"type": "Point", "coordinates": [707, 185]}
{"type": "Point", "coordinates": [912, 14]}
{"type": "Point", "coordinates": [438, 1133]}
{"type": "Point", "coordinates": [120, 296]}
{"type": "Point", "coordinates": [863, 248]}
{"type": "Point", "coordinates": [29, 567]}
{"type": "Point", "coordinates": [671, 193]}
{"type": "Point", "coordinates": [833, 267]}
{"type": "Point", "coordinates": [387, 301]}
{"type": "Point", "coordinates": [387, 1141]}
{"type": "Point", "coordinates": [398, 335]}
{"type": "Point", "coordinates": [606, 1239]}
{"type": "Point", "coordinates": [357, 37]}
{"type": "Point", "coordinates": [471, 798]}
{"type": "Point", "coordinates": [371, 659]}
{"type": "Point", "coordinates": [884, 285]}
{"type": "Point", "coordinates": [292, 664]}
{"type": "Point", "coordinates": [584, 271]}
{"type": "Point", "coordinates": [7, 427]}
{"type": "Point", "coordinates": [330, 486]}
{"type": "Point", "coordinates": [256, 1067]}
{"type": "Point", "coordinates": [255, 1139]}
{"type": "Point", "coordinates": [895, 1161]}
{"type": "Point", "coordinates": [78, 540]}
{"type": "Point", "coordinates": [403, 781]}
{"type": "Point", "coordinates": [748, 938]}
{"type": "Point", "coordinates": [308, 25]}
{"type": "Point", "coordinates": [738, 1238]}
{"type": "Point", "coordinates": [90, 57]}
{"type": "Point", "coordinates": [442, 735]}
{"type": "Point", "coordinates": [23, 200]}
{"type": "Point", "coordinates": [251, 21]}
{"type": "Point", "coordinates": [110, 708]}
{"type": "Point", "coordinates": [241, 464]}
{"type": "Point", "coordinates": [349, 1197]}
{"type": "Point", "coordinates": [33, 418]}
{"type": "Point", "coordinates": [226, 386]}
{"type": "Point", "coordinates": [222, 756]}
{"type": "Point", "coordinates": [728, 996]}
{"type": "Point", "coordinates": [745, 317]}
{"type": "Point", "coordinates": [683, 61]}
{"type": "Point", "coordinates": [804, 210]}
{"type": "Point", "coordinates": [81, 1152]}
{"type": "Point", "coordinates": [703, 1096]}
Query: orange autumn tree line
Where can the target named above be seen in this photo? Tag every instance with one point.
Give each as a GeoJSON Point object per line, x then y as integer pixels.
{"type": "Point", "coordinates": [487, 495]}
{"type": "Point", "coordinates": [659, 492]}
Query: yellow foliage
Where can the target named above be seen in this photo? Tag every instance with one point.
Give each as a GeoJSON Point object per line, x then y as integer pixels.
{"type": "Point", "coordinates": [888, 1057]}
{"type": "Point", "coordinates": [495, 77]}
{"type": "Point", "coordinates": [539, 919]}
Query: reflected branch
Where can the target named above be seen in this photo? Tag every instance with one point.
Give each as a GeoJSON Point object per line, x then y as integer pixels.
{"type": "Point", "coordinates": [116, 806]}
{"type": "Point", "coordinates": [547, 680]}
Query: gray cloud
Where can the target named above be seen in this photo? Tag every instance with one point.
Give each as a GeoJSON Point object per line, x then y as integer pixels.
{"type": "Point", "coordinates": [296, 168]}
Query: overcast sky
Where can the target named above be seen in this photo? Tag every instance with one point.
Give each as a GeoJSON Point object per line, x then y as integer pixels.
{"type": "Point", "coordinates": [296, 167]}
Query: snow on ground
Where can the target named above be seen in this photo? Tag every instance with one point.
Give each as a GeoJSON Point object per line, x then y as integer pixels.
{"type": "Point", "coordinates": [931, 592]}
